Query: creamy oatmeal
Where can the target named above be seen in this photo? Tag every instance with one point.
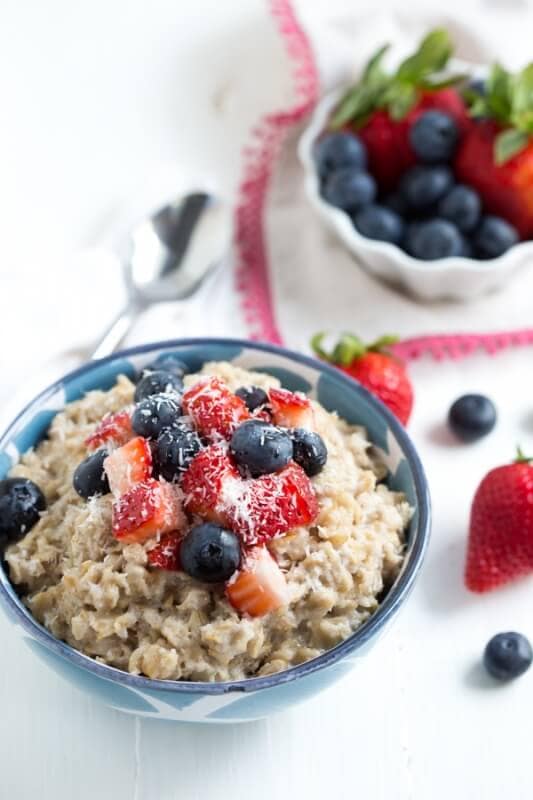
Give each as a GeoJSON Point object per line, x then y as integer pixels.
{"type": "Point", "coordinates": [104, 597]}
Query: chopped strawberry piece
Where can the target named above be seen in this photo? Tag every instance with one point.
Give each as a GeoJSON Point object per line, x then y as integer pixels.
{"type": "Point", "coordinates": [269, 506]}
{"type": "Point", "coordinates": [215, 410]}
{"type": "Point", "coordinates": [149, 509]}
{"type": "Point", "coordinates": [204, 480]}
{"type": "Point", "coordinates": [291, 410]}
{"type": "Point", "coordinates": [113, 429]}
{"type": "Point", "coordinates": [128, 465]}
{"type": "Point", "coordinates": [166, 553]}
{"type": "Point", "coordinates": [260, 587]}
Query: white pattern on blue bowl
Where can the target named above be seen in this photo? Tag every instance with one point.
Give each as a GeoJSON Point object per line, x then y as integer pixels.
{"type": "Point", "coordinates": [254, 698]}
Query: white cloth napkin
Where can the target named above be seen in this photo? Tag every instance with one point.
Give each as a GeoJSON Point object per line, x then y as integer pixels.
{"type": "Point", "coordinates": [316, 282]}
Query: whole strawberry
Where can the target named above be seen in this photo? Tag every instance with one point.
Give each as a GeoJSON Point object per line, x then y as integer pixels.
{"type": "Point", "coordinates": [500, 545]}
{"type": "Point", "coordinates": [495, 156]}
{"type": "Point", "coordinates": [375, 367]}
{"type": "Point", "coordinates": [383, 106]}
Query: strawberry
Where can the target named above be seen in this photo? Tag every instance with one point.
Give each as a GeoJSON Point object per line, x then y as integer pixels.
{"type": "Point", "coordinates": [260, 587]}
{"type": "Point", "coordinates": [149, 509]}
{"type": "Point", "coordinates": [113, 429]}
{"type": "Point", "coordinates": [128, 465]}
{"type": "Point", "coordinates": [500, 544]}
{"type": "Point", "coordinates": [496, 153]}
{"type": "Point", "coordinates": [375, 368]}
{"type": "Point", "coordinates": [269, 506]}
{"type": "Point", "coordinates": [215, 410]}
{"type": "Point", "coordinates": [382, 107]}
{"type": "Point", "coordinates": [290, 410]}
{"type": "Point", "coordinates": [166, 553]}
{"type": "Point", "coordinates": [204, 480]}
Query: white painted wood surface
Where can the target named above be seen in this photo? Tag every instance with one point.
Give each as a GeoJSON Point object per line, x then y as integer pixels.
{"type": "Point", "coordinates": [95, 97]}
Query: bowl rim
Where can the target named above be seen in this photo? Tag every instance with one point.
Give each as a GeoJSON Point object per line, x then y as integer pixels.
{"type": "Point", "coordinates": [395, 597]}
{"type": "Point", "coordinates": [342, 221]}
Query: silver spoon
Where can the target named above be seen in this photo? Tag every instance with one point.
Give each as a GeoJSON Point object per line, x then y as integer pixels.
{"type": "Point", "coordinates": [168, 257]}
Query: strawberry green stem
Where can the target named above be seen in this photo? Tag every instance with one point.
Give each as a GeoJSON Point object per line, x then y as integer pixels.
{"type": "Point", "coordinates": [349, 348]}
{"type": "Point", "coordinates": [520, 457]}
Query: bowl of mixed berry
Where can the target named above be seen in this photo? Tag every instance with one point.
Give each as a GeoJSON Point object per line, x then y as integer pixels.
{"type": "Point", "coordinates": [426, 171]}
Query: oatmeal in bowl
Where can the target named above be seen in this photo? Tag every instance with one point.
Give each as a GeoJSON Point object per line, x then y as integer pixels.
{"type": "Point", "coordinates": [207, 523]}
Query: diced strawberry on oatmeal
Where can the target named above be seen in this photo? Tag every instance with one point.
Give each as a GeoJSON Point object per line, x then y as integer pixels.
{"type": "Point", "coordinates": [149, 509]}
{"type": "Point", "coordinates": [166, 553]}
{"type": "Point", "coordinates": [215, 410]}
{"type": "Point", "coordinates": [128, 465]}
{"type": "Point", "coordinates": [291, 409]}
{"type": "Point", "coordinates": [203, 483]}
{"type": "Point", "coordinates": [260, 587]}
{"type": "Point", "coordinates": [112, 429]}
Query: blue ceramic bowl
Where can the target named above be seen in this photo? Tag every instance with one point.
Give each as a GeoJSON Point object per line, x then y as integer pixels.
{"type": "Point", "coordinates": [254, 698]}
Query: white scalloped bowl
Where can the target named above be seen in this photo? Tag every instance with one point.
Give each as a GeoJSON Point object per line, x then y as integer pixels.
{"type": "Point", "coordinates": [446, 278]}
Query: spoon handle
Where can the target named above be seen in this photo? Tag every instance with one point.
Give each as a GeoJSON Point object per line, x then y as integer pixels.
{"type": "Point", "coordinates": [115, 332]}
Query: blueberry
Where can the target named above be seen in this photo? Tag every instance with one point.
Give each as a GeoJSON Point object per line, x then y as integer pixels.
{"type": "Point", "coordinates": [337, 150]}
{"type": "Point", "coordinates": [397, 203]}
{"type": "Point", "coordinates": [21, 502]}
{"type": "Point", "coordinates": [423, 186]}
{"type": "Point", "coordinates": [349, 189]}
{"type": "Point", "coordinates": [494, 237]}
{"type": "Point", "coordinates": [153, 414]}
{"type": "Point", "coordinates": [437, 238]}
{"type": "Point", "coordinates": [462, 206]}
{"type": "Point", "coordinates": [434, 136]}
{"type": "Point", "coordinates": [507, 656]}
{"type": "Point", "coordinates": [478, 86]}
{"type": "Point", "coordinates": [309, 451]}
{"type": "Point", "coordinates": [89, 476]}
{"type": "Point", "coordinates": [260, 448]}
{"type": "Point", "coordinates": [175, 449]}
{"type": "Point", "coordinates": [158, 382]}
{"type": "Point", "coordinates": [253, 396]}
{"type": "Point", "coordinates": [210, 553]}
{"type": "Point", "coordinates": [168, 362]}
{"type": "Point", "coordinates": [378, 222]}
{"type": "Point", "coordinates": [472, 416]}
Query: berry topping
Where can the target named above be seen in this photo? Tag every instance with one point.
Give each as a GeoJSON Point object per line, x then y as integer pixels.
{"type": "Point", "coordinates": [215, 410]}
{"type": "Point", "coordinates": [500, 544]}
{"type": "Point", "coordinates": [259, 448]}
{"type": "Point", "coordinates": [113, 429]}
{"type": "Point", "coordinates": [291, 410]}
{"type": "Point", "coordinates": [269, 506]}
{"type": "Point", "coordinates": [435, 239]}
{"type": "Point", "coordinates": [176, 447]}
{"type": "Point", "coordinates": [166, 553]}
{"type": "Point", "coordinates": [162, 381]}
{"type": "Point", "coordinates": [349, 189]}
{"type": "Point", "coordinates": [253, 396]}
{"type": "Point", "coordinates": [260, 587]}
{"type": "Point", "coordinates": [210, 553]}
{"type": "Point", "coordinates": [434, 136]}
{"type": "Point", "coordinates": [128, 465]}
{"type": "Point", "coordinates": [494, 237]}
{"type": "Point", "coordinates": [309, 450]}
{"type": "Point", "coordinates": [204, 480]}
{"type": "Point", "coordinates": [149, 509]}
{"type": "Point", "coordinates": [90, 477]}
{"type": "Point", "coordinates": [380, 223]}
{"type": "Point", "coordinates": [169, 363]}
{"type": "Point", "coordinates": [375, 368]}
{"type": "Point", "coordinates": [471, 417]}
{"type": "Point", "coordinates": [21, 503]}
{"type": "Point", "coordinates": [462, 206]}
{"type": "Point", "coordinates": [154, 414]}
{"type": "Point", "coordinates": [507, 656]}
{"type": "Point", "coordinates": [335, 151]}
{"type": "Point", "coordinates": [423, 186]}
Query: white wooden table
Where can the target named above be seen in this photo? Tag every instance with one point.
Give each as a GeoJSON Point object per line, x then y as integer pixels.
{"type": "Point", "coordinates": [95, 97]}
